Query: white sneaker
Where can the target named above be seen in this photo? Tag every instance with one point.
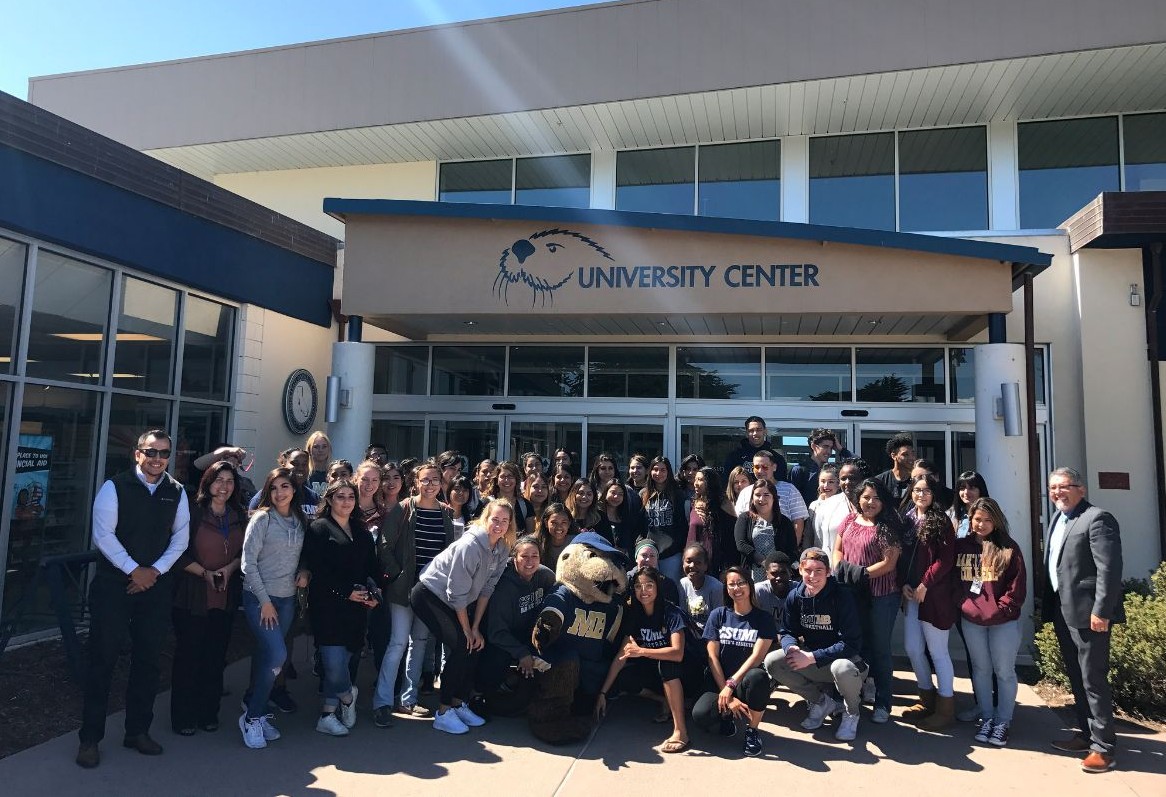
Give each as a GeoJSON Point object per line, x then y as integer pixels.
{"type": "Point", "coordinates": [818, 712]}
{"type": "Point", "coordinates": [331, 725]}
{"type": "Point", "coordinates": [449, 722]}
{"type": "Point", "coordinates": [348, 712]}
{"type": "Point", "coordinates": [847, 728]}
{"type": "Point", "coordinates": [270, 732]}
{"type": "Point", "coordinates": [252, 732]}
{"type": "Point", "coordinates": [467, 715]}
{"type": "Point", "coordinates": [880, 715]}
{"type": "Point", "coordinates": [868, 690]}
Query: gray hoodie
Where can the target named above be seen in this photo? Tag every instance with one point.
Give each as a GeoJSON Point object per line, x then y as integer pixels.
{"type": "Point", "coordinates": [467, 570]}
{"type": "Point", "coordinates": [271, 555]}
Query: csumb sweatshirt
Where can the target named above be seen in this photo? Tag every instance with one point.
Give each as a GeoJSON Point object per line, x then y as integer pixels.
{"type": "Point", "coordinates": [1001, 595]}
{"type": "Point", "coordinates": [824, 625]}
{"type": "Point", "coordinates": [514, 607]}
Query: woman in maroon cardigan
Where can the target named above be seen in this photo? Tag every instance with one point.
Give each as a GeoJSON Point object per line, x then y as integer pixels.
{"type": "Point", "coordinates": [929, 587]}
{"type": "Point", "coordinates": [206, 596]}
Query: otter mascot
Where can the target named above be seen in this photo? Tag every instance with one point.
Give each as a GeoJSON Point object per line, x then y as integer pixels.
{"type": "Point", "coordinates": [576, 632]}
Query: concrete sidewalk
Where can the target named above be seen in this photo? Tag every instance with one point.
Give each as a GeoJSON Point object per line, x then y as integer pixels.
{"type": "Point", "coordinates": [620, 758]}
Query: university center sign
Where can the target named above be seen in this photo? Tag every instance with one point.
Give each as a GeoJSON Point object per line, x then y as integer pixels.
{"type": "Point", "coordinates": [548, 261]}
{"type": "Point", "coordinates": [432, 269]}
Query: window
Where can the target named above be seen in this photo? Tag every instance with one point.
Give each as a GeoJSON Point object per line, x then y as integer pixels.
{"type": "Point", "coordinates": [546, 371]}
{"type": "Point", "coordinates": [962, 365]}
{"type": "Point", "coordinates": [201, 429]}
{"type": "Point", "coordinates": [206, 350]}
{"type": "Point", "coordinates": [59, 436]}
{"type": "Point", "coordinates": [144, 349]}
{"type": "Point", "coordinates": [12, 256]}
{"type": "Point", "coordinates": [487, 182]}
{"type": "Point", "coordinates": [626, 372]}
{"type": "Point", "coordinates": [561, 181]}
{"type": "Point", "coordinates": [741, 181]}
{"type": "Point", "coordinates": [468, 371]}
{"type": "Point", "coordinates": [900, 375]}
{"type": "Point", "coordinates": [852, 181]}
{"type": "Point", "coordinates": [402, 370]}
{"type": "Point", "coordinates": [129, 416]}
{"type": "Point", "coordinates": [70, 311]}
{"type": "Point", "coordinates": [401, 438]}
{"type": "Point", "coordinates": [656, 180]}
{"type": "Point", "coordinates": [943, 179]}
{"type": "Point", "coordinates": [729, 372]}
{"type": "Point", "coordinates": [807, 374]}
{"type": "Point", "coordinates": [1063, 165]}
{"type": "Point", "coordinates": [1145, 151]}
{"type": "Point", "coordinates": [621, 440]}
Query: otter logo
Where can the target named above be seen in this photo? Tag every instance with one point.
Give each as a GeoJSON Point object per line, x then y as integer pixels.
{"type": "Point", "coordinates": [536, 262]}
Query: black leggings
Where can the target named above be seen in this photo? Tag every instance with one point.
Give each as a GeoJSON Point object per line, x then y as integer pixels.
{"type": "Point", "coordinates": [457, 679]}
{"type": "Point", "coordinates": [753, 691]}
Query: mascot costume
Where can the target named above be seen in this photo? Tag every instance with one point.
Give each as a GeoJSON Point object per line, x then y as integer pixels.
{"type": "Point", "coordinates": [576, 632]}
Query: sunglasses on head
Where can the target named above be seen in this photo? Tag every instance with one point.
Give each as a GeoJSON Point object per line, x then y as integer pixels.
{"type": "Point", "coordinates": [154, 453]}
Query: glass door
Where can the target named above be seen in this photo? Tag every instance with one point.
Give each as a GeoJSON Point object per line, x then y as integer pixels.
{"type": "Point", "coordinates": [543, 436]}
{"type": "Point", "coordinates": [622, 438]}
{"type": "Point", "coordinates": [475, 438]}
{"type": "Point", "coordinates": [931, 443]}
{"type": "Point", "coordinates": [715, 440]}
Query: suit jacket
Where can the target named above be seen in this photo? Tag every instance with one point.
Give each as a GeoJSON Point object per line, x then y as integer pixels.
{"type": "Point", "coordinates": [1089, 569]}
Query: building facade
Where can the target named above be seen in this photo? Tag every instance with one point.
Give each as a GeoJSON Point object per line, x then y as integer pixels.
{"type": "Point", "coordinates": [824, 214]}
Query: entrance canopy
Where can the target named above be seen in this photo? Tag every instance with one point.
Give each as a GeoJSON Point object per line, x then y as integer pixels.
{"type": "Point", "coordinates": [428, 270]}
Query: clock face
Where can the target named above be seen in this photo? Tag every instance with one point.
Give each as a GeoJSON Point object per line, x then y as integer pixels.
{"type": "Point", "coordinates": [299, 401]}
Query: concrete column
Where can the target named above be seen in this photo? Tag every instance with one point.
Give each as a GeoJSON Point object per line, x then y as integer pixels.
{"type": "Point", "coordinates": [603, 179]}
{"type": "Point", "coordinates": [795, 178]}
{"type": "Point", "coordinates": [1003, 177]}
{"type": "Point", "coordinates": [1003, 461]}
{"type": "Point", "coordinates": [353, 363]}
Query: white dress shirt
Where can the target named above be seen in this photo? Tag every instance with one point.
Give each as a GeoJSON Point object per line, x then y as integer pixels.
{"type": "Point", "coordinates": [105, 527]}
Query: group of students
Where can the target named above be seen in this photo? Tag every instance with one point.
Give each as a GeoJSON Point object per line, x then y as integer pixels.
{"type": "Point", "coordinates": [399, 554]}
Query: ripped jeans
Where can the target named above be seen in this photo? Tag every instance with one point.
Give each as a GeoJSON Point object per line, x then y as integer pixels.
{"type": "Point", "coordinates": [270, 649]}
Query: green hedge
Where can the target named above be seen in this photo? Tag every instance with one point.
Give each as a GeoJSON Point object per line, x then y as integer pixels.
{"type": "Point", "coordinates": [1137, 660]}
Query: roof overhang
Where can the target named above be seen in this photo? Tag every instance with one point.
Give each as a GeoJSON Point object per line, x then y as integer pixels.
{"type": "Point", "coordinates": [432, 270]}
{"type": "Point", "coordinates": [1116, 220]}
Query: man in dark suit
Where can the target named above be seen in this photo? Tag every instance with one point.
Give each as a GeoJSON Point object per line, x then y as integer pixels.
{"type": "Point", "coordinates": [1083, 598]}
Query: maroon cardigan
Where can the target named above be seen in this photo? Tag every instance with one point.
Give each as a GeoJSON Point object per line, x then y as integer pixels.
{"type": "Point", "coordinates": [933, 567]}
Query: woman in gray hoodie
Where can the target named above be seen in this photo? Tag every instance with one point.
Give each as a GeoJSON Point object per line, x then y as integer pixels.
{"type": "Point", "coordinates": [271, 573]}
{"type": "Point", "coordinates": [451, 597]}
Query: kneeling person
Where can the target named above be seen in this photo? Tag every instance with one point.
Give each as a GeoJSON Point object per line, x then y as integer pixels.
{"type": "Point", "coordinates": [820, 639]}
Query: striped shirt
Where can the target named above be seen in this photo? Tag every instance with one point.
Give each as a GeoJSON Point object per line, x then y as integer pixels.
{"type": "Point", "coordinates": [428, 535]}
{"type": "Point", "coordinates": [861, 546]}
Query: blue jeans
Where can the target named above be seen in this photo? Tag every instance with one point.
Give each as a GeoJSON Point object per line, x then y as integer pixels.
{"type": "Point", "coordinates": [409, 633]}
{"type": "Point", "coordinates": [878, 623]}
{"type": "Point", "coordinates": [993, 650]}
{"type": "Point", "coordinates": [337, 682]}
{"type": "Point", "coordinates": [270, 648]}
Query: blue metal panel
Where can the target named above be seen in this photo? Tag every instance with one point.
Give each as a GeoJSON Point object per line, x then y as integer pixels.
{"type": "Point", "coordinates": [51, 202]}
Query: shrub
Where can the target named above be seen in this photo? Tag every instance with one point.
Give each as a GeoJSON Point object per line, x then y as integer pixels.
{"type": "Point", "coordinates": [1137, 666]}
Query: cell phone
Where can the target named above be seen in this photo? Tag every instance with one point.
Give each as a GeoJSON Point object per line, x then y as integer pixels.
{"type": "Point", "coordinates": [219, 579]}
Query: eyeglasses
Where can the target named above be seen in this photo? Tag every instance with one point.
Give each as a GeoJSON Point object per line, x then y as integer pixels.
{"type": "Point", "coordinates": [428, 482]}
{"type": "Point", "coordinates": [921, 491]}
{"type": "Point", "coordinates": [154, 453]}
{"type": "Point", "coordinates": [735, 585]}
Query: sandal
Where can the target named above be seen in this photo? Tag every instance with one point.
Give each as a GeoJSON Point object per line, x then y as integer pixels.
{"type": "Point", "coordinates": [674, 746]}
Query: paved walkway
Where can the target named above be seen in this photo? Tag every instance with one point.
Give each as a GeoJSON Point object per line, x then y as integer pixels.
{"type": "Point", "coordinates": [620, 758]}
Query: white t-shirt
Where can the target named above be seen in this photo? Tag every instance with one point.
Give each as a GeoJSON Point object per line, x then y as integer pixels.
{"type": "Point", "coordinates": [789, 501]}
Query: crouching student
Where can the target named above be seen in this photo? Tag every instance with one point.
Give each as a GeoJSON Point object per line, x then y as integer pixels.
{"type": "Point", "coordinates": [652, 655]}
{"type": "Point", "coordinates": [507, 664]}
{"type": "Point", "coordinates": [820, 640]}
{"type": "Point", "coordinates": [738, 636]}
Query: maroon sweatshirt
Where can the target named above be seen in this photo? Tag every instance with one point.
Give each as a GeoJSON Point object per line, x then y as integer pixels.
{"type": "Point", "coordinates": [1001, 594]}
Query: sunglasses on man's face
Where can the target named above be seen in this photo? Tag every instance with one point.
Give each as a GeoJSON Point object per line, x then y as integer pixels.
{"type": "Point", "coordinates": [154, 453]}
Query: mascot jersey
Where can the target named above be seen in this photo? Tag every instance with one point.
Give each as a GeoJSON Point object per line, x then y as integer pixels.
{"type": "Point", "coordinates": [589, 630]}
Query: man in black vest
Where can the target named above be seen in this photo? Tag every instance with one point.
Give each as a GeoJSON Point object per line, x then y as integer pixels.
{"type": "Point", "coordinates": [141, 524]}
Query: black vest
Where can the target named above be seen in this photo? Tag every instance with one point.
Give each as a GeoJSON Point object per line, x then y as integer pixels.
{"type": "Point", "coordinates": [144, 521]}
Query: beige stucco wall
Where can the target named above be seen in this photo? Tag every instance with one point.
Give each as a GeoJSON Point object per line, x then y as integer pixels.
{"type": "Point", "coordinates": [274, 345]}
{"type": "Point", "coordinates": [299, 193]}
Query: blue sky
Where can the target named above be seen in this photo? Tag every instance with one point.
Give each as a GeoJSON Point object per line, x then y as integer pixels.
{"type": "Point", "coordinates": [46, 38]}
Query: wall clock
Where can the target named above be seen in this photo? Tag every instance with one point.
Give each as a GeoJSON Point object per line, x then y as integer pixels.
{"type": "Point", "coordinates": [300, 400]}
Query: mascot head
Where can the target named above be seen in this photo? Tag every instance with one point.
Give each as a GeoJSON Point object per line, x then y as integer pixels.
{"type": "Point", "coordinates": [592, 568]}
{"type": "Point", "coordinates": [543, 262]}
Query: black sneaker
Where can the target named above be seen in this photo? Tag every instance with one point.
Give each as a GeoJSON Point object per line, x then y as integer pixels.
{"type": "Point", "coordinates": [383, 717]}
{"type": "Point", "coordinates": [752, 742]}
{"type": "Point", "coordinates": [282, 700]}
{"type": "Point", "coordinates": [728, 727]}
